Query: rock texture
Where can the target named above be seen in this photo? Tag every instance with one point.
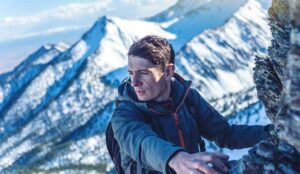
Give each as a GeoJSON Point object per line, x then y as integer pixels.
{"type": "Point", "coordinates": [270, 71]}
{"type": "Point", "coordinates": [268, 157]}
{"type": "Point", "coordinates": [289, 118]}
{"type": "Point", "coordinates": [277, 77]}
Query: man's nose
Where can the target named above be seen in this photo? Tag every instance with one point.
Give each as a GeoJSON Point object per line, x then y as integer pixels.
{"type": "Point", "coordinates": [135, 82]}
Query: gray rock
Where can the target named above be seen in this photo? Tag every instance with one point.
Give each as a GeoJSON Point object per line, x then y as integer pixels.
{"type": "Point", "coordinates": [268, 86]}
{"type": "Point", "coordinates": [291, 121]}
{"type": "Point", "coordinates": [268, 157]}
{"type": "Point", "coordinates": [277, 79]}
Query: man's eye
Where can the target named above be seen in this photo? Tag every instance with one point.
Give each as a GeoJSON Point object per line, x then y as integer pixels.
{"type": "Point", "coordinates": [144, 73]}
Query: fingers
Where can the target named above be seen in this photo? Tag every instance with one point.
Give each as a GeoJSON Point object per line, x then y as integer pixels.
{"type": "Point", "coordinates": [204, 168]}
{"type": "Point", "coordinates": [198, 163]}
{"type": "Point", "coordinates": [221, 155]}
{"type": "Point", "coordinates": [215, 159]}
{"type": "Point", "coordinates": [194, 171]}
{"type": "Point", "coordinates": [219, 164]}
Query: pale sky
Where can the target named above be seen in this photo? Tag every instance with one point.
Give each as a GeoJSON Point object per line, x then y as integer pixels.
{"type": "Point", "coordinates": [27, 25]}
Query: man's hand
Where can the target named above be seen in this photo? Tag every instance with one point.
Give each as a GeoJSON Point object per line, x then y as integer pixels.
{"type": "Point", "coordinates": [185, 163]}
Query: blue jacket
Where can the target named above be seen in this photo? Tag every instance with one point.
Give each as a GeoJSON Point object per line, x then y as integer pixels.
{"type": "Point", "coordinates": [172, 128]}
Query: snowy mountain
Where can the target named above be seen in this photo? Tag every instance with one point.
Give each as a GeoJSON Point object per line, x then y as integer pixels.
{"type": "Point", "coordinates": [55, 106]}
{"type": "Point", "coordinates": [220, 60]}
{"type": "Point", "coordinates": [12, 82]}
{"type": "Point", "coordinates": [188, 18]}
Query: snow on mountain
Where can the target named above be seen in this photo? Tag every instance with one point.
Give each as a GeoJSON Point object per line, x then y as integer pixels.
{"type": "Point", "coordinates": [188, 18]}
{"type": "Point", "coordinates": [11, 83]}
{"type": "Point", "coordinates": [55, 115]}
{"type": "Point", "coordinates": [220, 60]}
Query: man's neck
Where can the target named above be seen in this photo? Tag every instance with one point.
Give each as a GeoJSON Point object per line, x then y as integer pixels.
{"type": "Point", "coordinates": [165, 94]}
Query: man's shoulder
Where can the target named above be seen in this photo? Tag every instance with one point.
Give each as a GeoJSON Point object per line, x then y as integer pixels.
{"type": "Point", "coordinates": [125, 105]}
{"type": "Point", "coordinates": [197, 99]}
{"type": "Point", "coordinates": [127, 109]}
{"type": "Point", "coordinates": [194, 93]}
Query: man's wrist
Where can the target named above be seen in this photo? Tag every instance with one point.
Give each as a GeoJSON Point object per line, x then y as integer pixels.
{"type": "Point", "coordinates": [172, 159]}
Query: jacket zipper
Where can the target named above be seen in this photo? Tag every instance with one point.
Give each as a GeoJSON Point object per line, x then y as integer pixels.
{"type": "Point", "coordinates": [175, 116]}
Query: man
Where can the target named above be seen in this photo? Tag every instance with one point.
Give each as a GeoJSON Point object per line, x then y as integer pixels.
{"type": "Point", "coordinates": [153, 122]}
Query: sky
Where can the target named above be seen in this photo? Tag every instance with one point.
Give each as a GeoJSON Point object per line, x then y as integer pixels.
{"type": "Point", "coordinates": [27, 25]}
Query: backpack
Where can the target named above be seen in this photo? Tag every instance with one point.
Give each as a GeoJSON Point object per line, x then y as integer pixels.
{"type": "Point", "coordinates": [114, 148]}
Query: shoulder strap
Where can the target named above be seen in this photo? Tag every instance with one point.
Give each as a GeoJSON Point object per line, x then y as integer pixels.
{"type": "Point", "coordinates": [113, 149]}
{"type": "Point", "coordinates": [192, 108]}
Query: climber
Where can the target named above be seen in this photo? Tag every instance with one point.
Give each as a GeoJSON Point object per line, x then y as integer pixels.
{"type": "Point", "coordinates": [159, 119]}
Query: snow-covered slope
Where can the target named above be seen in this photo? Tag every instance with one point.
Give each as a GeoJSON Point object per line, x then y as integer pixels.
{"type": "Point", "coordinates": [188, 18]}
{"type": "Point", "coordinates": [220, 60]}
{"type": "Point", "coordinates": [55, 120]}
{"type": "Point", "coordinates": [12, 83]}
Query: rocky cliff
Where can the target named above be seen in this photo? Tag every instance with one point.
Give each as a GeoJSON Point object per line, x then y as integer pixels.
{"type": "Point", "coordinates": [278, 86]}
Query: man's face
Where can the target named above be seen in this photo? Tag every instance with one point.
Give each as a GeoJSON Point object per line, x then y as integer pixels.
{"type": "Point", "coordinates": [147, 79]}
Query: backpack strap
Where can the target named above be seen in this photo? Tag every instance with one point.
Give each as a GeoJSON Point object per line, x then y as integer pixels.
{"type": "Point", "coordinates": [192, 108]}
{"type": "Point", "coordinates": [113, 149]}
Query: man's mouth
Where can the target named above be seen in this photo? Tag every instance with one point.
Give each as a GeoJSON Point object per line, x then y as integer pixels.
{"type": "Point", "coordinates": [140, 92]}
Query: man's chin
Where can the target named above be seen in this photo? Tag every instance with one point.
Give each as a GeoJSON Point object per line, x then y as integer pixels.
{"type": "Point", "coordinates": [143, 98]}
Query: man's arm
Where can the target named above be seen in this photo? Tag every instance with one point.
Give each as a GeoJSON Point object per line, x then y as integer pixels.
{"type": "Point", "coordinates": [139, 141]}
{"type": "Point", "coordinates": [215, 127]}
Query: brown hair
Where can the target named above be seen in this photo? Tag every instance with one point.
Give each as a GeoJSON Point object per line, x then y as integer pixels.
{"type": "Point", "coordinates": [154, 48]}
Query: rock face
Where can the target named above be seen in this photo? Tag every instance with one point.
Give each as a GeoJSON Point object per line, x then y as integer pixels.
{"type": "Point", "coordinates": [269, 72]}
{"type": "Point", "coordinates": [278, 85]}
{"type": "Point", "coordinates": [268, 157]}
{"type": "Point", "coordinates": [290, 120]}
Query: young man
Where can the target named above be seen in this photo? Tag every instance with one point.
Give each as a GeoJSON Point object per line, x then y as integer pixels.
{"type": "Point", "coordinates": [153, 122]}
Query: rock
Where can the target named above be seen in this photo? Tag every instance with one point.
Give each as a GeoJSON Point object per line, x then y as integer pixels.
{"type": "Point", "coordinates": [291, 121]}
{"type": "Point", "coordinates": [277, 79]}
{"type": "Point", "coordinates": [268, 157]}
{"type": "Point", "coordinates": [268, 86]}
{"type": "Point", "coordinates": [280, 27]}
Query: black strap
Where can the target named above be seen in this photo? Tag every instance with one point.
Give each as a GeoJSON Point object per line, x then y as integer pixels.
{"type": "Point", "coordinates": [134, 168]}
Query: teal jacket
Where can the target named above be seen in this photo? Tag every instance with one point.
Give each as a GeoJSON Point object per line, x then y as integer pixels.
{"type": "Point", "coordinates": [172, 128]}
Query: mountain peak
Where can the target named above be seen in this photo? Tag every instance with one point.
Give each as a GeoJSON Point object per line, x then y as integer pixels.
{"type": "Point", "coordinates": [61, 46]}
{"type": "Point", "coordinates": [186, 22]}
{"type": "Point", "coordinates": [182, 7]}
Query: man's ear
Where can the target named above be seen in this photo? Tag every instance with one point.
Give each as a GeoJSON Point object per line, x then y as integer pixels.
{"type": "Point", "coordinates": [170, 68]}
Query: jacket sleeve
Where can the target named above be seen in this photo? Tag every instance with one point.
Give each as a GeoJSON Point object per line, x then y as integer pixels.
{"type": "Point", "coordinates": [139, 141]}
{"type": "Point", "coordinates": [213, 126]}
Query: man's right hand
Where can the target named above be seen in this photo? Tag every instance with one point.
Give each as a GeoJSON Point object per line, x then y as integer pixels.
{"type": "Point", "coordinates": [185, 163]}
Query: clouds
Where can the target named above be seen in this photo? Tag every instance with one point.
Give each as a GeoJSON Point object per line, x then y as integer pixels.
{"type": "Point", "coordinates": [68, 11]}
{"type": "Point", "coordinates": [50, 31]}
{"type": "Point", "coordinates": [139, 2]}
{"type": "Point", "coordinates": [66, 16]}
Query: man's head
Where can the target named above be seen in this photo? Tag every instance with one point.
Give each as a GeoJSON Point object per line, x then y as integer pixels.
{"type": "Point", "coordinates": [151, 67]}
